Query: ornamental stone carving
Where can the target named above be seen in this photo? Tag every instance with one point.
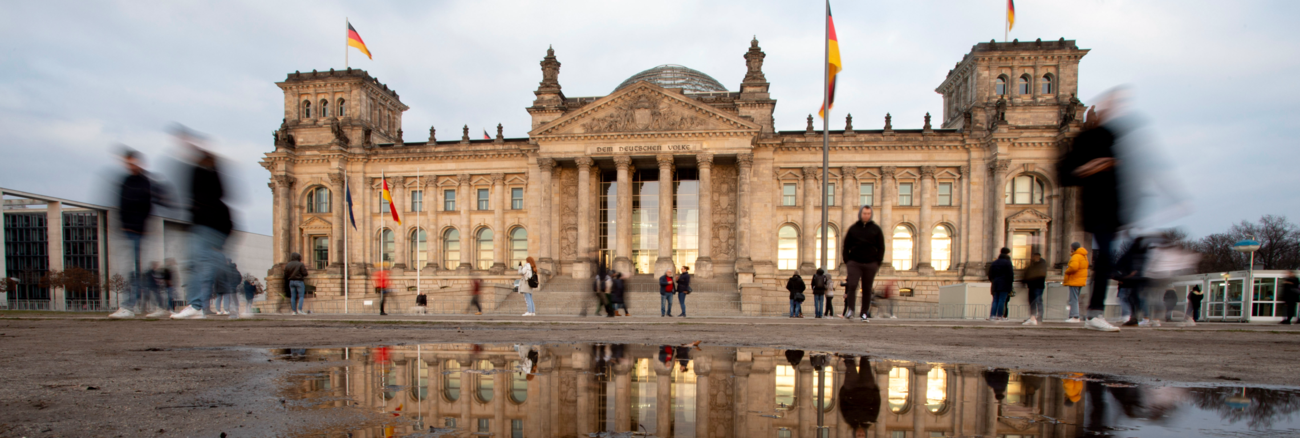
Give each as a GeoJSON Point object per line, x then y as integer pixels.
{"type": "Point", "coordinates": [336, 179]}
{"type": "Point", "coordinates": [284, 181]}
{"type": "Point", "coordinates": [546, 164]}
{"type": "Point", "coordinates": [745, 160]}
{"type": "Point", "coordinates": [888, 172]}
{"type": "Point", "coordinates": [498, 178]}
{"type": "Point", "coordinates": [754, 63]}
{"type": "Point", "coordinates": [568, 204]}
{"type": "Point", "coordinates": [550, 71]}
{"type": "Point", "coordinates": [645, 112]}
{"type": "Point", "coordinates": [583, 162]}
{"type": "Point", "coordinates": [622, 161]}
{"type": "Point", "coordinates": [704, 160]}
{"type": "Point", "coordinates": [927, 171]}
{"type": "Point", "coordinates": [809, 172]}
{"type": "Point", "coordinates": [724, 212]}
{"type": "Point", "coordinates": [433, 135]}
{"type": "Point", "coordinates": [999, 167]}
{"type": "Point", "coordinates": [664, 160]}
{"type": "Point", "coordinates": [847, 172]}
{"type": "Point", "coordinates": [339, 136]}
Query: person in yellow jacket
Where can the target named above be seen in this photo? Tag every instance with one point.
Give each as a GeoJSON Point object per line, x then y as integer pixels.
{"type": "Point", "coordinates": [1076, 277]}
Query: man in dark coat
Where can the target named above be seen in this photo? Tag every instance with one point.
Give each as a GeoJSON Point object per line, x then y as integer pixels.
{"type": "Point", "coordinates": [211, 226]}
{"type": "Point", "coordinates": [1290, 295]}
{"type": "Point", "coordinates": [136, 199]}
{"type": "Point", "coordinates": [859, 395]}
{"type": "Point", "coordinates": [1129, 270]}
{"type": "Point", "coordinates": [796, 286]}
{"type": "Point", "coordinates": [864, 249]}
{"type": "Point", "coordinates": [1035, 280]}
{"type": "Point", "coordinates": [683, 288]}
{"type": "Point", "coordinates": [1003, 277]}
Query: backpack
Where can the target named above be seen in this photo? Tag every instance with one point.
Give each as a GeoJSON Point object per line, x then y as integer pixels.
{"type": "Point", "coordinates": [532, 279]}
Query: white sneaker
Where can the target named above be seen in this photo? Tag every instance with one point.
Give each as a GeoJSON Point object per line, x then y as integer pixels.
{"type": "Point", "coordinates": [189, 313]}
{"type": "Point", "coordinates": [1155, 323]}
{"type": "Point", "coordinates": [1030, 321]}
{"type": "Point", "coordinates": [160, 313]}
{"type": "Point", "coordinates": [1073, 320]}
{"type": "Point", "coordinates": [1189, 323]}
{"type": "Point", "coordinates": [893, 317]}
{"type": "Point", "coordinates": [122, 314]}
{"type": "Point", "coordinates": [234, 316]}
{"type": "Point", "coordinates": [1100, 324]}
{"type": "Point", "coordinates": [1144, 323]}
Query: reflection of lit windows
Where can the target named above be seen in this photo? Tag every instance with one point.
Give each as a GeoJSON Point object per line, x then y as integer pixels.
{"type": "Point", "coordinates": [936, 390]}
{"type": "Point", "coordinates": [451, 384]}
{"type": "Point", "coordinates": [449, 422]}
{"type": "Point", "coordinates": [516, 428]}
{"type": "Point", "coordinates": [518, 385]}
{"type": "Point", "coordinates": [900, 380]}
{"type": "Point", "coordinates": [485, 425]}
{"type": "Point", "coordinates": [785, 378]}
{"type": "Point", "coordinates": [784, 433]}
{"type": "Point", "coordinates": [486, 383]}
{"type": "Point", "coordinates": [832, 235]}
{"type": "Point", "coordinates": [420, 375]}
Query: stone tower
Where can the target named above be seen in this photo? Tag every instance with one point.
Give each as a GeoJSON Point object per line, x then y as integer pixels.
{"type": "Point", "coordinates": [1016, 83]}
{"type": "Point", "coordinates": [340, 108]}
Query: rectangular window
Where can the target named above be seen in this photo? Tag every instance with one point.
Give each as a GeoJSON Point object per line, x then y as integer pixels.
{"type": "Point", "coordinates": [449, 422]}
{"type": "Point", "coordinates": [866, 194]}
{"type": "Point", "coordinates": [516, 428]}
{"type": "Point", "coordinates": [517, 198]}
{"type": "Point", "coordinates": [417, 200]}
{"type": "Point", "coordinates": [448, 200]}
{"type": "Point", "coordinates": [945, 194]}
{"type": "Point", "coordinates": [830, 195]}
{"type": "Point", "coordinates": [383, 203]}
{"type": "Point", "coordinates": [905, 194]}
{"type": "Point", "coordinates": [483, 199]}
{"type": "Point", "coordinates": [788, 193]}
{"type": "Point", "coordinates": [1021, 247]}
{"type": "Point", "coordinates": [484, 425]}
{"type": "Point", "coordinates": [320, 249]}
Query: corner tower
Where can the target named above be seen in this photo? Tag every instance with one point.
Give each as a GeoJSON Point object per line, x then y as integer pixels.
{"type": "Point", "coordinates": [338, 108]}
{"type": "Point", "coordinates": [1023, 84]}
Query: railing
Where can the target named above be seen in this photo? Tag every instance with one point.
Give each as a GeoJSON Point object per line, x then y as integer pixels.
{"type": "Point", "coordinates": [69, 305]}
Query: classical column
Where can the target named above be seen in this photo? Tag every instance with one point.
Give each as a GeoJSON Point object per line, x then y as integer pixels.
{"type": "Point", "coordinates": [283, 217]}
{"type": "Point", "coordinates": [882, 382]}
{"type": "Point", "coordinates": [499, 234]}
{"type": "Point", "coordinates": [809, 253]}
{"type": "Point", "coordinates": [622, 397]}
{"type": "Point", "coordinates": [849, 181]}
{"type": "Point", "coordinates": [463, 203]}
{"type": "Point", "coordinates": [744, 264]}
{"type": "Point", "coordinates": [959, 255]}
{"type": "Point", "coordinates": [997, 187]}
{"type": "Point", "coordinates": [581, 363]}
{"type": "Point", "coordinates": [704, 262]}
{"type": "Point", "coordinates": [339, 213]}
{"type": "Point", "coordinates": [582, 266]}
{"type": "Point", "coordinates": [500, 390]}
{"type": "Point", "coordinates": [807, 393]}
{"type": "Point", "coordinates": [663, 398]}
{"type": "Point", "coordinates": [886, 194]}
{"type": "Point", "coordinates": [920, 381]}
{"type": "Point", "coordinates": [623, 233]}
{"type": "Point", "coordinates": [965, 208]}
{"type": "Point", "coordinates": [703, 367]}
{"type": "Point", "coordinates": [545, 203]}
{"type": "Point", "coordinates": [923, 229]}
{"type": "Point", "coordinates": [665, 261]}
{"type": "Point", "coordinates": [54, 253]}
{"type": "Point", "coordinates": [741, 413]}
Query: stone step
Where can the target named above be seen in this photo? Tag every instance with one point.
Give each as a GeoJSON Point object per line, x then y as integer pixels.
{"type": "Point", "coordinates": [573, 303]}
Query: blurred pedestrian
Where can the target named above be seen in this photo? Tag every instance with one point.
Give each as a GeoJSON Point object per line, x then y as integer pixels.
{"type": "Point", "coordinates": [295, 274]}
{"type": "Point", "coordinates": [796, 286]}
{"type": "Point", "coordinates": [382, 285]}
{"type": "Point", "coordinates": [210, 227]}
{"type": "Point", "coordinates": [830, 299]}
{"type": "Point", "coordinates": [859, 395]}
{"type": "Point", "coordinates": [1129, 270]}
{"type": "Point", "coordinates": [228, 280]}
{"type": "Point", "coordinates": [530, 283]}
{"type": "Point", "coordinates": [1194, 298]}
{"type": "Point", "coordinates": [819, 286]}
{"type": "Point", "coordinates": [422, 303]}
{"type": "Point", "coordinates": [167, 279]}
{"type": "Point", "coordinates": [864, 249]}
{"type": "Point", "coordinates": [158, 290]}
{"type": "Point", "coordinates": [666, 294]}
{"type": "Point", "coordinates": [250, 288]}
{"type": "Point", "coordinates": [1002, 276]}
{"type": "Point", "coordinates": [618, 293]}
{"type": "Point", "coordinates": [475, 292]}
{"type": "Point", "coordinates": [1035, 280]}
{"type": "Point", "coordinates": [1076, 277]}
{"type": "Point", "coordinates": [1170, 299]}
{"type": "Point", "coordinates": [600, 291]}
{"type": "Point", "coordinates": [684, 288]}
{"type": "Point", "coordinates": [138, 194]}
{"type": "Point", "coordinates": [1290, 295]}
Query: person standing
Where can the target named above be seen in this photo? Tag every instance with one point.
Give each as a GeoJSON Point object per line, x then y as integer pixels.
{"type": "Point", "coordinates": [381, 286]}
{"type": "Point", "coordinates": [830, 299]}
{"type": "Point", "coordinates": [683, 288]}
{"type": "Point", "coordinates": [136, 199]}
{"type": "Point", "coordinates": [211, 226]}
{"type": "Point", "coordinates": [1036, 281]}
{"type": "Point", "coordinates": [250, 288]}
{"type": "Point", "coordinates": [819, 282]}
{"type": "Point", "coordinates": [528, 283]}
{"type": "Point", "coordinates": [666, 294]}
{"type": "Point", "coordinates": [1194, 305]}
{"type": "Point", "coordinates": [864, 249]}
{"type": "Point", "coordinates": [1076, 277]}
{"type": "Point", "coordinates": [1002, 275]}
{"type": "Point", "coordinates": [617, 293]}
{"type": "Point", "coordinates": [1290, 295]}
{"type": "Point", "coordinates": [796, 286]}
{"type": "Point", "coordinates": [295, 273]}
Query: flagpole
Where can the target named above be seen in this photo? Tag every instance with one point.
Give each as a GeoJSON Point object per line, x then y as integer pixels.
{"type": "Point", "coordinates": [418, 234]}
{"type": "Point", "coordinates": [347, 190]}
{"type": "Point", "coordinates": [826, 133]}
{"type": "Point", "coordinates": [346, 24]}
{"type": "Point", "coordinates": [1006, 25]}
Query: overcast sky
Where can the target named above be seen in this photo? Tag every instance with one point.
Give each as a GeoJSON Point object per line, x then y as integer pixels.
{"type": "Point", "coordinates": [1215, 79]}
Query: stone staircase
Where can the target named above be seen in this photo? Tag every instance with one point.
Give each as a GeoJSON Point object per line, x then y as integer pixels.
{"type": "Point", "coordinates": [569, 296]}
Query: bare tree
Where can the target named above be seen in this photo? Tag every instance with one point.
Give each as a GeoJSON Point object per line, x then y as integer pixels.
{"type": "Point", "coordinates": [1279, 246]}
{"type": "Point", "coordinates": [115, 284]}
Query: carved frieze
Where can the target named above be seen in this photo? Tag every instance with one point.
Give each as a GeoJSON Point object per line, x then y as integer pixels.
{"type": "Point", "coordinates": [724, 212]}
{"type": "Point", "coordinates": [645, 112]}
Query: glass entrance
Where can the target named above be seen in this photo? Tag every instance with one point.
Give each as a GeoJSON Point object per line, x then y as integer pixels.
{"type": "Point", "coordinates": [686, 218]}
{"type": "Point", "coordinates": [1264, 300]}
{"type": "Point", "coordinates": [608, 217]}
{"type": "Point", "coordinates": [645, 220]}
{"type": "Point", "coordinates": [1225, 303]}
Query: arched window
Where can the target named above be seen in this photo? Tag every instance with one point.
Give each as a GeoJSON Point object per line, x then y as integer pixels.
{"type": "Point", "coordinates": [518, 246]}
{"type": "Point", "coordinates": [1047, 84]}
{"type": "Point", "coordinates": [902, 248]}
{"type": "Point", "coordinates": [1024, 189]}
{"type": "Point", "coordinates": [936, 390]}
{"type": "Point", "coordinates": [387, 247]}
{"type": "Point", "coordinates": [941, 248]}
{"type": "Point", "coordinates": [485, 249]}
{"type": "Point", "coordinates": [787, 248]}
{"type": "Point", "coordinates": [832, 235]}
{"type": "Point", "coordinates": [318, 200]}
{"type": "Point", "coordinates": [420, 380]}
{"type": "Point", "coordinates": [900, 382]}
{"type": "Point", "coordinates": [486, 382]}
{"type": "Point", "coordinates": [1022, 85]}
{"type": "Point", "coordinates": [324, 108]}
{"type": "Point", "coordinates": [306, 109]}
{"type": "Point", "coordinates": [518, 384]}
{"type": "Point", "coordinates": [451, 249]}
{"type": "Point", "coordinates": [389, 376]}
{"type": "Point", "coordinates": [785, 386]}
{"type": "Point", "coordinates": [451, 380]}
{"type": "Point", "coordinates": [1000, 86]}
{"type": "Point", "coordinates": [419, 249]}
{"type": "Point", "coordinates": [341, 107]}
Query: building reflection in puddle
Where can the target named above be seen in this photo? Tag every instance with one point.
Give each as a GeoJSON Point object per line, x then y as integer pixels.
{"type": "Point", "coordinates": [575, 390]}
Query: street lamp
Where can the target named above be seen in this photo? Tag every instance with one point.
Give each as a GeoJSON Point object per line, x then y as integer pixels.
{"type": "Point", "coordinates": [1248, 246]}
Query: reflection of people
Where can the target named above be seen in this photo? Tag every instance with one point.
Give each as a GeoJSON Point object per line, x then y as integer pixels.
{"type": "Point", "coordinates": [997, 379]}
{"type": "Point", "coordinates": [683, 357]}
{"type": "Point", "coordinates": [859, 395]}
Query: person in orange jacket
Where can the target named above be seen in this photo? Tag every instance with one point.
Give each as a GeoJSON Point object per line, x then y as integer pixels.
{"type": "Point", "coordinates": [1076, 277]}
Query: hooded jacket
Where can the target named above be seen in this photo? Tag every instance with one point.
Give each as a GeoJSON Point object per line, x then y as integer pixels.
{"type": "Point", "coordinates": [136, 200]}
{"type": "Point", "coordinates": [1036, 274]}
{"type": "Point", "coordinates": [1002, 274]}
{"type": "Point", "coordinates": [864, 243]}
{"type": "Point", "coordinates": [295, 270]}
{"type": "Point", "coordinates": [1076, 273]}
{"type": "Point", "coordinates": [795, 285]}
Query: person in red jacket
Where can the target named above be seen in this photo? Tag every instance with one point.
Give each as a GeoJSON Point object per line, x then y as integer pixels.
{"type": "Point", "coordinates": [381, 286]}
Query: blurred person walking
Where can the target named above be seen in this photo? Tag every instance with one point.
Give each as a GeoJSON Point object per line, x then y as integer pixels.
{"type": "Point", "coordinates": [830, 299]}
{"type": "Point", "coordinates": [167, 281]}
{"type": "Point", "coordinates": [475, 292]}
{"type": "Point", "coordinates": [1076, 277]}
{"type": "Point", "coordinates": [382, 286]}
{"type": "Point", "coordinates": [600, 286]}
{"type": "Point", "coordinates": [211, 226]}
{"type": "Point", "coordinates": [796, 286]}
{"type": "Point", "coordinates": [618, 293]}
{"type": "Point", "coordinates": [250, 289]}
{"type": "Point", "coordinates": [1171, 300]}
{"type": "Point", "coordinates": [137, 196]}
{"type": "Point", "coordinates": [1194, 298]}
{"type": "Point", "coordinates": [1290, 295]}
{"type": "Point", "coordinates": [684, 288]}
{"type": "Point", "coordinates": [666, 294]}
{"type": "Point", "coordinates": [158, 290]}
{"type": "Point", "coordinates": [529, 284]}
{"type": "Point", "coordinates": [819, 286]}
{"type": "Point", "coordinates": [864, 249]}
{"type": "Point", "coordinates": [1002, 275]}
{"type": "Point", "coordinates": [1129, 270]}
{"type": "Point", "coordinates": [295, 274]}
{"type": "Point", "coordinates": [1035, 280]}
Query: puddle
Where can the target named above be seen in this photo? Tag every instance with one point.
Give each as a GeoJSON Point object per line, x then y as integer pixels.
{"type": "Point", "coordinates": [616, 390]}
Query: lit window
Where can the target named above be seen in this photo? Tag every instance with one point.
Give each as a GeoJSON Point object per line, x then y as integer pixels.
{"type": "Point", "coordinates": [386, 247]}
{"type": "Point", "coordinates": [449, 200]}
{"type": "Point", "coordinates": [451, 249]}
{"type": "Point", "coordinates": [1047, 84]}
{"type": "Point", "coordinates": [417, 200]}
{"type": "Point", "coordinates": [318, 200]}
{"type": "Point", "coordinates": [905, 194]}
{"type": "Point", "coordinates": [1001, 87]}
{"type": "Point", "coordinates": [306, 109]}
{"type": "Point", "coordinates": [518, 246]}
{"type": "Point", "coordinates": [483, 199]}
{"type": "Point", "coordinates": [832, 235]}
{"type": "Point", "coordinates": [936, 390]}
{"type": "Point", "coordinates": [830, 195]}
{"type": "Point", "coordinates": [1023, 85]}
{"type": "Point", "coordinates": [517, 198]}
{"type": "Point", "coordinates": [324, 108]}
{"type": "Point", "coordinates": [945, 194]}
{"type": "Point", "coordinates": [788, 192]}
{"type": "Point", "coordinates": [419, 249]}
{"type": "Point", "coordinates": [941, 248]}
{"type": "Point", "coordinates": [866, 194]}
{"type": "Point", "coordinates": [1021, 246]}
{"type": "Point", "coordinates": [320, 251]}
{"type": "Point", "coordinates": [516, 428]}
{"type": "Point", "coordinates": [900, 382]}
{"type": "Point", "coordinates": [485, 248]}
{"type": "Point", "coordinates": [787, 248]}
{"type": "Point", "coordinates": [902, 249]}
{"type": "Point", "coordinates": [1024, 189]}
{"type": "Point", "coordinates": [518, 385]}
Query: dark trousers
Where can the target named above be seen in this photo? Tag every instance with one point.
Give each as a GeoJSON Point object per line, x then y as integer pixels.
{"type": "Point", "coordinates": [1102, 267]}
{"type": "Point", "coordinates": [1193, 309]}
{"type": "Point", "coordinates": [1288, 310]}
{"type": "Point", "coordinates": [1036, 303]}
{"type": "Point", "coordinates": [866, 274]}
{"type": "Point", "coordinates": [383, 297]}
{"type": "Point", "coordinates": [830, 308]}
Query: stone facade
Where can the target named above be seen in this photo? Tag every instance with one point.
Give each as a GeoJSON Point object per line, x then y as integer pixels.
{"type": "Point", "coordinates": [583, 187]}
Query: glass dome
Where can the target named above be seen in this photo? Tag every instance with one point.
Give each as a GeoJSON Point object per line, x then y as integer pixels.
{"type": "Point", "coordinates": [676, 76]}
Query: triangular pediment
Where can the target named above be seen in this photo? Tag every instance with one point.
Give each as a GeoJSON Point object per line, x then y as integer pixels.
{"type": "Point", "coordinates": [316, 223]}
{"type": "Point", "coordinates": [1029, 216]}
{"type": "Point", "coordinates": [645, 108]}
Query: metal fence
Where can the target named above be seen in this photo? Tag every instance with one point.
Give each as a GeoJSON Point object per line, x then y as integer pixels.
{"type": "Point", "coordinates": [69, 305]}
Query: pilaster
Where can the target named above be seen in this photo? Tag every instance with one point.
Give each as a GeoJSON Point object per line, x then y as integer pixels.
{"type": "Point", "coordinates": [623, 237]}
{"type": "Point", "coordinates": [582, 266]}
{"type": "Point", "coordinates": [704, 262]}
{"type": "Point", "coordinates": [499, 233]}
{"type": "Point", "coordinates": [665, 261]}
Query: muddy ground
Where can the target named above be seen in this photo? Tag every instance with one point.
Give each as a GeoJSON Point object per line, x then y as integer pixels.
{"type": "Point", "coordinates": [72, 375]}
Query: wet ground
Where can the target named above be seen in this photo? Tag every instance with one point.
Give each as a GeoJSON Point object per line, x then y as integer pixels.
{"type": "Point", "coordinates": [82, 375]}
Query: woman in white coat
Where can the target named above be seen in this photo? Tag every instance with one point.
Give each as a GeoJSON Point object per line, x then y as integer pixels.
{"type": "Point", "coordinates": [527, 273]}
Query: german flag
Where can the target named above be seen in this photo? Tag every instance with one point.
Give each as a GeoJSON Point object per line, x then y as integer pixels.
{"type": "Point", "coordinates": [833, 59]}
{"type": "Point", "coordinates": [354, 40]}
{"type": "Point", "coordinates": [486, 136]}
{"type": "Point", "coordinates": [388, 196]}
{"type": "Point", "coordinates": [1011, 14]}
